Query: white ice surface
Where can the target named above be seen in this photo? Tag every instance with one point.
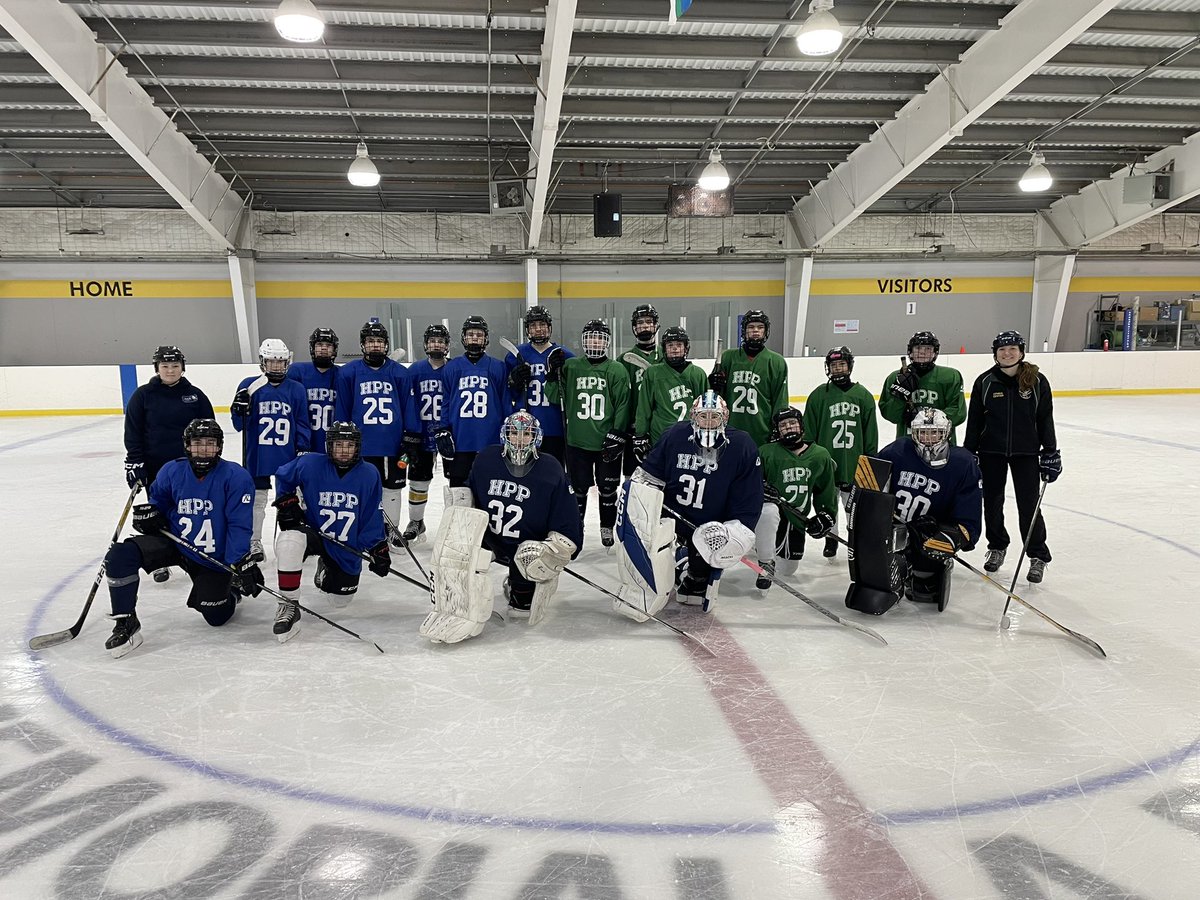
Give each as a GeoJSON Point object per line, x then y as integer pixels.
{"type": "Point", "coordinates": [594, 757]}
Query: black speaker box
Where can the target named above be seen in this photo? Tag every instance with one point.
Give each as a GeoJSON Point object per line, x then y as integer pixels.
{"type": "Point", "coordinates": [606, 215]}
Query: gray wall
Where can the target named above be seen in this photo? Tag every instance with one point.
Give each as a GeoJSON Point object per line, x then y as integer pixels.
{"type": "Point", "coordinates": [1080, 303]}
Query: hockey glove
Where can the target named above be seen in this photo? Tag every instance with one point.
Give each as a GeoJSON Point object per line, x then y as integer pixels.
{"type": "Point", "coordinates": [554, 364]}
{"type": "Point", "coordinates": [937, 541]}
{"type": "Point", "coordinates": [519, 377]}
{"type": "Point", "coordinates": [248, 577]}
{"type": "Point", "coordinates": [289, 515]}
{"type": "Point", "coordinates": [135, 474]}
{"type": "Point", "coordinates": [614, 443]}
{"type": "Point", "coordinates": [381, 559]}
{"type": "Point", "coordinates": [1050, 466]}
{"type": "Point", "coordinates": [241, 404]}
{"type": "Point", "coordinates": [148, 519]}
{"type": "Point", "coordinates": [413, 442]}
{"type": "Point", "coordinates": [444, 439]}
{"type": "Point", "coordinates": [641, 447]}
{"type": "Point", "coordinates": [717, 381]}
{"type": "Point", "coordinates": [904, 385]}
{"type": "Point", "coordinates": [819, 525]}
{"type": "Point", "coordinates": [771, 493]}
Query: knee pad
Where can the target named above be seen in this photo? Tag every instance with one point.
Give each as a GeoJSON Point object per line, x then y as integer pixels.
{"type": "Point", "coordinates": [122, 561]}
{"type": "Point", "coordinates": [289, 551]}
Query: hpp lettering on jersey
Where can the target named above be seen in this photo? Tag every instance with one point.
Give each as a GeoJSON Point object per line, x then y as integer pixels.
{"type": "Point", "coordinates": [745, 376]}
{"type": "Point", "coordinates": [368, 388]}
{"type": "Point", "coordinates": [537, 368]}
{"type": "Point", "coordinates": [473, 381]}
{"type": "Point", "coordinates": [274, 408]}
{"type": "Point", "coordinates": [918, 482]}
{"type": "Point", "coordinates": [797, 474]}
{"type": "Point", "coordinates": [591, 383]}
{"type": "Point", "coordinates": [337, 499]}
{"type": "Point", "coordinates": [690, 462]}
{"type": "Point", "coordinates": [431, 386]}
{"type": "Point", "coordinates": [680, 392]}
{"type": "Point", "coordinates": [319, 393]}
{"type": "Point", "coordinates": [844, 408]}
{"type": "Point", "coordinates": [924, 396]}
{"type": "Point", "coordinates": [500, 487]}
{"type": "Point", "coordinates": [194, 506]}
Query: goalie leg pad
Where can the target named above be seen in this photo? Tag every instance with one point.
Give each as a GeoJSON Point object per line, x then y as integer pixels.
{"type": "Point", "coordinates": [645, 551]}
{"type": "Point", "coordinates": [462, 592]}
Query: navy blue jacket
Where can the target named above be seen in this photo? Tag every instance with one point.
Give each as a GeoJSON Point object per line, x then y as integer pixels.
{"type": "Point", "coordinates": [155, 419]}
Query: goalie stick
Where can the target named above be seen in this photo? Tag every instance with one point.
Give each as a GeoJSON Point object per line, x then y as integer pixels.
{"type": "Point", "coordinates": [678, 631]}
{"type": "Point", "coordinates": [755, 567]}
{"type": "Point", "coordinates": [220, 565]}
{"type": "Point", "coordinates": [42, 641]}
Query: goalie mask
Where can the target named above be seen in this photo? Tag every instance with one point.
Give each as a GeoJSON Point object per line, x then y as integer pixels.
{"type": "Point", "coordinates": [375, 343]}
{"type": "Point", "coordinates": [676, 344]}
{"type": "Point", "coordinates": [596, 338]}
{"type": "Point", "coordinates": [839, 363]}
{"type": "Point", "coordinates": [343, 446]}
{"type": "Point", "coordinates": [930, 431]}
{"type": "Point", "coordinates": [437, 341]}
{"type": "Point", "coordinates": [474, 337]}
{"type": "Point", "coordinates": [203, 441]}
{"type": "Point", "coordinates": [538, 325]}
{"type": "Point", "coordinates": [710, 415]}
{"type": "Point", "coordinates": [274, 357]}
{"type": "Point", "coordinates": [520, 437]}
{"type": "Point", "coordinates": [923, 349]}
{"type": "Point", "coordinates": [787, 427]}
{"type": "Point", "coordinates": [644, 323]}
{"type": "Point", "coordinates": [324, 340]}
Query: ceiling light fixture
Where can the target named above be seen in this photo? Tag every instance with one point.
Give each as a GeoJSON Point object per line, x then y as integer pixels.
{"type": "Point", "coordinates": [821, 34]}
{"type": "Point", "coordinates": [299, 20]}
{"type": "Point", "coordinates": [715, 176]}
{"type": "Point", "coordinates": [1037, 177]}
{"type": "Point", "coordinates": [362, 172]}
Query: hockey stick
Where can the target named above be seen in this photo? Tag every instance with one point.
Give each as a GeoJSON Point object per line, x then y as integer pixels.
{"type": "Point", "coordinates": [220, 565]}
{"type": "Point", "coordinates": [512, 348]}
{"type": "Point", "coordinates": [755, 567]}
{"type": "Point", "coordinates": [42, 641]}
{"type": "Point", "coordinates": [1024, 547]}
{"type": "Point", "coordinates": [412, 555]}
{"type": "Point", "coordinates": [1083, 639]}
{"type": "Point", "coordinates": [636, 361]}
{"type": "Point", "coordinates": [251, 389]}
{"type": "Point", "coordinates": [678, 631]}
{"type": "Point", "coordinates": [364, 556]}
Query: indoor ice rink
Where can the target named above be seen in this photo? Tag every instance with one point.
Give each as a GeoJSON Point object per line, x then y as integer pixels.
{"type": "Point", "coordinates": [210, 175]}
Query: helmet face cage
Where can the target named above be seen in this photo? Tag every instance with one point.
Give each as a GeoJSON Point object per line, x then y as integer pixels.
{"type": "Point", "coordinates": [437, 333]}
{"type": "Point", "coordinates": [930, 431]}
{"type": "Point", "coordinates": [374, 331]}
{"type": "Point", "coordinates": [168, 353]}
{"type": "Point", "coordinates": [675, 335]}
{"type": "Point", "coordinates": [596, 338]}
{"type": "Point", "coordinates": [475, 323]}
{"type": "Point", "coordinates": [923, 359]}
{"type": "Point", "coordinates": [322, 336]}
{"type": "Point", "coordinates": [839, 355]}
{"type": "Point", "coordinates": [274, 357]}
{"type": "Point", "coordinates": [710, 415]}
{"type": "Point", "coordinates": [520, 437]}
{"type": "Point", "coordinates": [787, 427]}
{"type": "Point", "coordinates": [752, 317]}
{"type": "Point", "coordinates": [538, 316]}
{"type": "Point", "coordinates": [1009, 339]}
{"type": "Point", "coordinates": [336, 438]}
{"type": "Point", "coordinates": [645, 316]}
{"type": "Point", "coordinates": [206, 431]}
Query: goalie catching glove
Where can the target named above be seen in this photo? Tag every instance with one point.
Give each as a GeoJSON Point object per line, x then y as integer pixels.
{"type": "Point", "coordinates": [723, 544]}
{"type": "Point", "coordinates": [543, 560]}
{"type": "Point", "coordinates": [938, 541]}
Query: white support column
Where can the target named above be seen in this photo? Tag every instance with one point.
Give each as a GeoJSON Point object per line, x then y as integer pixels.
{"type": "Point", "coordinates": [797, 277]}
{"type": "Point", "coordinates": [556, 48]}
{"type": "Point", "coordinates": [245, 304]}
{"type": "Point", "coordinates": [531, 283]}
{"type": "Point", "coordinates": [1051, 282]}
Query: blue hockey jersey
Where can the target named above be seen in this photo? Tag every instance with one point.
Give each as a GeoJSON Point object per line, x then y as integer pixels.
{"type": "Point", "coordinates": [952, 494]}
{"type": "Point", "coordinates": [477, 401]}
{"type": "Point", "coordinates": [428, 393]}
{"type": "Point", "coordinates": [703, 492]}
{"type": "Point", "coordinates": [526, 508]}
{"type": "Point", "coordinates": [321, 390]}
{"type": "Point", "coordinates": [277, 427]}
{"type": "Point", "coordinates": [215, 514]}
{"type": "Point", "coordinates": [346, 507]}
{"type": "Point", "coordinates": [377, 401]}
{"type": "Point", "coordinates": [535, 400]}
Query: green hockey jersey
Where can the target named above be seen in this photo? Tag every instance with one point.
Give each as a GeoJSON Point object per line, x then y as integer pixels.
{"type": "Point", "coordinates": [801, 480]}
{"type": "Point", "coordinates": [637, 374]}
{"type": "Point", "coordinates": [755, 390]}
{"type": "Point", "coordinates": [843, 422]}
{"type": "Point", "coordinates": [596, 400]}
{"type": "Point", "coordinates": [666, 397]}
{"type": "Point", "coordinates": [941, 387]}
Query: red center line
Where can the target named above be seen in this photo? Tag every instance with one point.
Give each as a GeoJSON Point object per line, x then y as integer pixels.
{"type": "Point", "coordinates": [857, 859]}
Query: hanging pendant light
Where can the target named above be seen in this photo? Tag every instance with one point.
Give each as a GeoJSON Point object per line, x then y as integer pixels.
{"type": "Point", "coordinates": [715, 176]}
{"type": "Point", "coordinates": [821, 34]}
{"type": "Point", "coordinates": [1037, 177]}
{"type": "Point", "coordinates": [299, 20]}
{"type": "Point", "coordinates": [362, 172]}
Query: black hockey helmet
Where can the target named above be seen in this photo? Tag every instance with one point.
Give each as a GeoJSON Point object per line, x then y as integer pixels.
{"type": "Point", "coordinates": [792, 439]}
{"type": "Point", "coordinates": [168, 353]}
{"type": "Point", "coordinates": [343, 431]}
{"type": "Point", "coordinates": [374, 329]}
{"type": "Point", "coordinates": [752, 316]}
{"type": "Point", "coordinates": [436, 330]}
{"type": "Point", "coordinates": [839, 354]}
{"type": "Point", "coordinates": [538, 314]}
{"type": "Point", "coordinates": [472, 323]}
{"type": "Point", "coordinates": [676, 334]}
{"type": "Point", "coordinates": [644, 311]}
{"type": "Point", "coordinates": [924, 339]}
{"type": "Point", "coordinates": [600, 338]}
{"type": "Point", "coordinates": [322, 336]}
{"type": "Point", "coordinates": [202, 428]}
{"type": "Point", "coordinates": [1008, 339]}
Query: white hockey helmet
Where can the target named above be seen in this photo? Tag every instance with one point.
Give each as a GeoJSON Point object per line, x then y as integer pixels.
{"type": "Point", "coordinates": [930, 431]}
{"type": "Point", "coordinates": [710, 415]}
{"type": "Point", "coordinates": [273, 350]}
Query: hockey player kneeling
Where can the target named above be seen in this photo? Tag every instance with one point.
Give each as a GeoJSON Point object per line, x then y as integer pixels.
{"type": "Point", "coordinates": [939, 496]}
{"type": "Point", "coordinates": [518, 509]}
{"type": "Point", "coordinates": [711, 476]}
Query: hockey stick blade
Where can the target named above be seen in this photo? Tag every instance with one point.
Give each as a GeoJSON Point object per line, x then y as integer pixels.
{"type": "Point", "coordinates": [678, 631]}
{"type": "Point", "coordinates": [42, 641]}
{"type": "Point", "coordinates": [869, 632]}
{"type": "Point", "coordinates": [511, 348]}
{"type": "Point", "coordinates": [1081, 638]}
{"type": "Point", "coordinates": [634, 360]}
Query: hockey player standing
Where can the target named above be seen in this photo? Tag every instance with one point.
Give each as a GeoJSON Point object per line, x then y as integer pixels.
{"type": "Point", "coordinates": [476, 403]}
{"type": "Point", "coordinates": [940, 496]}
{"type": "Point", "coordinates": [800, 473]}
{"type": "Point", "coordinates": [712, 477]}
{"type": "Point", "coordinates": [752, 379]}
{"type": "Point", "coordinates": [840, 416]}
{"type": "Point", "coordinates": [527, 379]}
{"type": "Point", "coordinates": [428, 392]}
{"type": "Point", "coordinates": [373, 393]}
{"type": "Point", "coordinates": [207, 502]}
{"type": "Point", "coordinates": [516, 506]}
{"type": "Point", "coordinates": [644, 323]}
{"type": "Point", "coordinates": [157, 413]}
{"type": "Point", "coordinates": [319, 379]}
{"type": "Point", "coordinates": [668, 391]}
{"type": "Point", "coordinates": [334, 494]}
{"type": "Point", "coordinates": [923, 383]}
{"type": "Point", "coordinates": [594, 395]}
{"type": "Point", "coordinates": [274, 425]}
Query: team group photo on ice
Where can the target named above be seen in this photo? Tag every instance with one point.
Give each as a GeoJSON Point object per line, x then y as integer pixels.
{"type": "Point", "coordinates": [694, 472]}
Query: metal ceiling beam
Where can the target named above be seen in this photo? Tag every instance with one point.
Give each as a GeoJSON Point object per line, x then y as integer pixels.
{"type": "Point", "coordinates": [59, 40]}
{"type": "Point", "coordinates": [1100, 210]}
{"type": "Point", "coordinates": [1031, 34]}
{"type": "Point", "coordinates": [552, 80]}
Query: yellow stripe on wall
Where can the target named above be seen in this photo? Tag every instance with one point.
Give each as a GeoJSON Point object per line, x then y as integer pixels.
{"type": "Point", "coordinates": [391, 290]}
{"type": "Point", "coordinates": [909, 285]}
{"type": "Point", "coordinates": [122, 289]}
{"type": "Point", "coordinates": [1124, 285]}
{"type": "Point", "coordinates": [592, 290]}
